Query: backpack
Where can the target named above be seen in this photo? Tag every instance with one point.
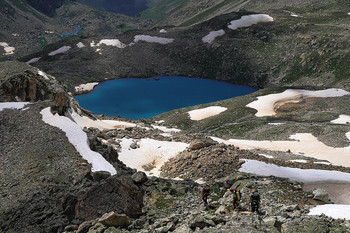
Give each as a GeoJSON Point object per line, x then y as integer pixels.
{"type": "Point", "coordinates": [255, 197]}
{"type": "Point", "coordinates": [238, 195]}
{"type": "Point", "coordinates": [206, 189]}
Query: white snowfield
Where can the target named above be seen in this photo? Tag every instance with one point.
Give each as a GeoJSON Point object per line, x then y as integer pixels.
{"type": "Point", "coordinates": [77, 137]}
{"type": "Point", "coordinates": [301, 143]}
{"type": "Point", "coordinates": [301, 175]}
{"type": "Point", "coordinates": [63, 49]}
{"type": "Point", "coordinates": [343, 119]}
{"type": "Point", "coordinates": [212, 35]}
{"type": "Point", "coordinates": [13, 105]}
{"type": "Point", "coordinates": [33, 60]}
{"type": "Point", "coordinates": [85, 87]}
{"type": "Point", "coordinates": [80, 45]}
{"type": "Point", "coordinates": [331, 210]}
{"type": "Point", "coordinates": [249, 20]}
{"type": "Point", "coordinates": [111, 42]}
{"type": "Point", "coordinates": [150, 152]}
{"type": "Point", "coordinates": [153, 39]}
{"type": "Point", "coordinates": [200, 114]}
{"type": "Point", "coordinates": [8, 49]}
{"type": "Point", "coordinates": [266, 105]}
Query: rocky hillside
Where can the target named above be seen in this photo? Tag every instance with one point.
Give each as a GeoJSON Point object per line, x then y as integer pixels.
{"type": "Point", "coordinates": [46, 7]}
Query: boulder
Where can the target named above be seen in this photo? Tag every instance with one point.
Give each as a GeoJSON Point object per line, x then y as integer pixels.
{"type": "Point", "coordinates": [139, 177]}
{"type": "Point", "coordinates": [114, 220]}
{"type": "Point", "coordinates": [198, 144]}
{"type": "Point", "coordinates": [321, 195]}
{"type": "Point", "coordinates": [201, 222]}
{"type": "Point", "coordinates": [100, 175]}
{"type": "Point", "coordinates": [85, 226]}
{"type": "Point", "coordinates": [221, 210]}
{"type": "Point", "coordinates": [116, 193]}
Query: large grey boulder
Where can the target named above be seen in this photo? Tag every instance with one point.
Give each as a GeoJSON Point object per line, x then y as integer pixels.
{"type": "Point", "coordinates": [139, 177]}
{"type": "Point", "coordinates": [321, 195]}
{"type": "Point", "coordinates": [201, 222]}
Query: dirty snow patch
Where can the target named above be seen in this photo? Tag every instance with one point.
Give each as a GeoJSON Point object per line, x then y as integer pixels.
{"type": "Point", "coordinates": [78, 138]}
{"type": "Point", "coordinates": [200, 114]}
{"type": "Point", "coordinates": [84, 121]}
{"type": "Point", "coordinates": [153, 39]}
{"type": "Point", "coordinates": [297, 174]}
{"type": "Point", "coordinates": [332, 210]}
{"type": "Point", "coordinates": [33, 60]}
{"type": "Point", "coordinates": [212, 35]}
{"type": "Point", "coordinates": [301, 143]}
{"type": "Point", "coordinates": [166, 130]}
{"type": "Point", "coordinates": [266, 105]}
{"type": "Point", "coordinates": [13, 105]}
{"type": "Point", "coordinates": [85, 87]}
{"type": "Point", "coordinates": [8, 49]}
{"type": "Point", "coordinates": [80, 45]}
{"type": "Point", "coordinates": [60, 50]}
{"type": "Point", "coordinates": [150, 153]}
{"type": "Point", "coordinates": [249, 20]}
{"type": "Point", "coordinates": [343, 119]}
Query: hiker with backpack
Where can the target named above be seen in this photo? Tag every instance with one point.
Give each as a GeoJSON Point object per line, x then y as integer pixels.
{"type": "Point", "coordinates": [255, 201]}
{"type": "Point", "coordinates": [237, 195]}
{"type": "Point", "coordinates": [205, 194]}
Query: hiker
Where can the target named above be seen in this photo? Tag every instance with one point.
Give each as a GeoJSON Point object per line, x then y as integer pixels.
{"type": "Point", "coordinates": [255, 201]}
{"type": "Point", "coordinates": [205, 193]}
{"type": "Point", "coordinates": [237, 195]}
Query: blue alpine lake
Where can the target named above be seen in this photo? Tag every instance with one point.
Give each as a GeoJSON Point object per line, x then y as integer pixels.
{"type": "Point", "coordinates": [136, 98]}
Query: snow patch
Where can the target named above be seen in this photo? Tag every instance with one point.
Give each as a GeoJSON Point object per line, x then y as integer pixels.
{"type": "Point", "coordinates": [332, 210]}
{"type": "Point", "coordinates": [301, 143]}
{"type": "Point", "coordinates": [200, 114]}
{"type": "Point", "coordinates": [212, 35]}
{"type": "Point", "coordinates": [60, 50]}
{"type": "Point", "coordinates": [266, 105]}
{"type": "Point", "coordinates": [297, 174]}
{"type": "Point", "coordinates": [8, 49]}
{"type": "Point", "coordinates": [13, 105]}
{"type": "Point", "coordinates": [326, 163]}
{"type": "Point", "coordinates": [150, 153]}
{"type": "Point", "coordinates": [80, 45]}
{"type": "Point", "coordinates": [153, 39]}
{"type": "Point", "coordinates": [43, 74]}
{"type": "Point", "coordinates": [33, 60]}
{"type": "Point", "coordinates": [267, 156]}
{"type": "Point", "coordinates": [299, 161]}
{"type": "Point", "coordinates": [162, 31]}
{"type": "Point", "coordinates": [111, 42]}
{"type": "Point", "coordinates": [15, 34]}
{"type": "Point", "coordinates": [84, 121]}
{"type": "Point", "coordinates": [85, 87]}
{"type": "Point", "coordinates": [249, 20]}
{"type": "Point", "coordinates": [343, 119]}
{"type": "Point", "coordinates": [294, 15]}
{"type": "Point", "coordinates": [166, 130]}
{"type": "Point", "coordinates": [78, 138]}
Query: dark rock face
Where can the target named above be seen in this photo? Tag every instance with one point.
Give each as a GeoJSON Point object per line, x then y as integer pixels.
{"type": "Point", "coordinates": [46, 7]}
{"type": "Point", "coordinates": [116, 193]}
{"type": "Point", "coordinates": [30, 86]}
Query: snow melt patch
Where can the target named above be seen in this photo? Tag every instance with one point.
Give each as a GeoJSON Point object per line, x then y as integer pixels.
{"type": "Point", "coordinates": [153, 39]}
{"type": "Point", "coordinates": [166, 130]}
{"type": "Point", "coordinates": [78, 138]}
{"type": "Point", "coordinates": [84, 121]}
{"type": "Point", "coordinates": [33, 60]}
{"type": "Point", "coordinates": [150, 153]}
{"type": "Point", "coordinates": [301, 143]}
{"type": "Point", "coordinates": [343, 119]}
{"type": "Point", "coordinates": [60, 50]}
{"type": "Point", "coordinates": [266, 105]}
{"type": "Point", "coordinates": [13, 105]}
{"type": "Point", "coordinates": [212, 35]}
{"type": "Point", "coordinates": [331, 210]}
{"type": "Point", "coordinates": [80, 45]}
{"type": "Point", "coordinates": [8, 49]}
{"type": "Point", "coordinates": [200, 114]}
{"type": "Point", "coordinates": [296, 174]}
{"type": "Point", "coordinates": [85, 87]}
{"type": "Point", "coordinates": [249, 20]}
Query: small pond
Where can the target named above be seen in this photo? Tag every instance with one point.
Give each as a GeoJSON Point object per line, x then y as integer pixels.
{"type": "Point", "coordinates": [136, 98]}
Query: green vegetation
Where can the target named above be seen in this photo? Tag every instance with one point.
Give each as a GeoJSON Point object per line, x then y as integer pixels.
{"type": "Point", "coordinates": [159, 9]}
{"type": "Point", "coordinates": [124, 27]}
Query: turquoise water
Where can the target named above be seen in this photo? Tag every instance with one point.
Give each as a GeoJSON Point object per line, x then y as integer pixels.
{"type": "Point", "coordinates": [136, 98]}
